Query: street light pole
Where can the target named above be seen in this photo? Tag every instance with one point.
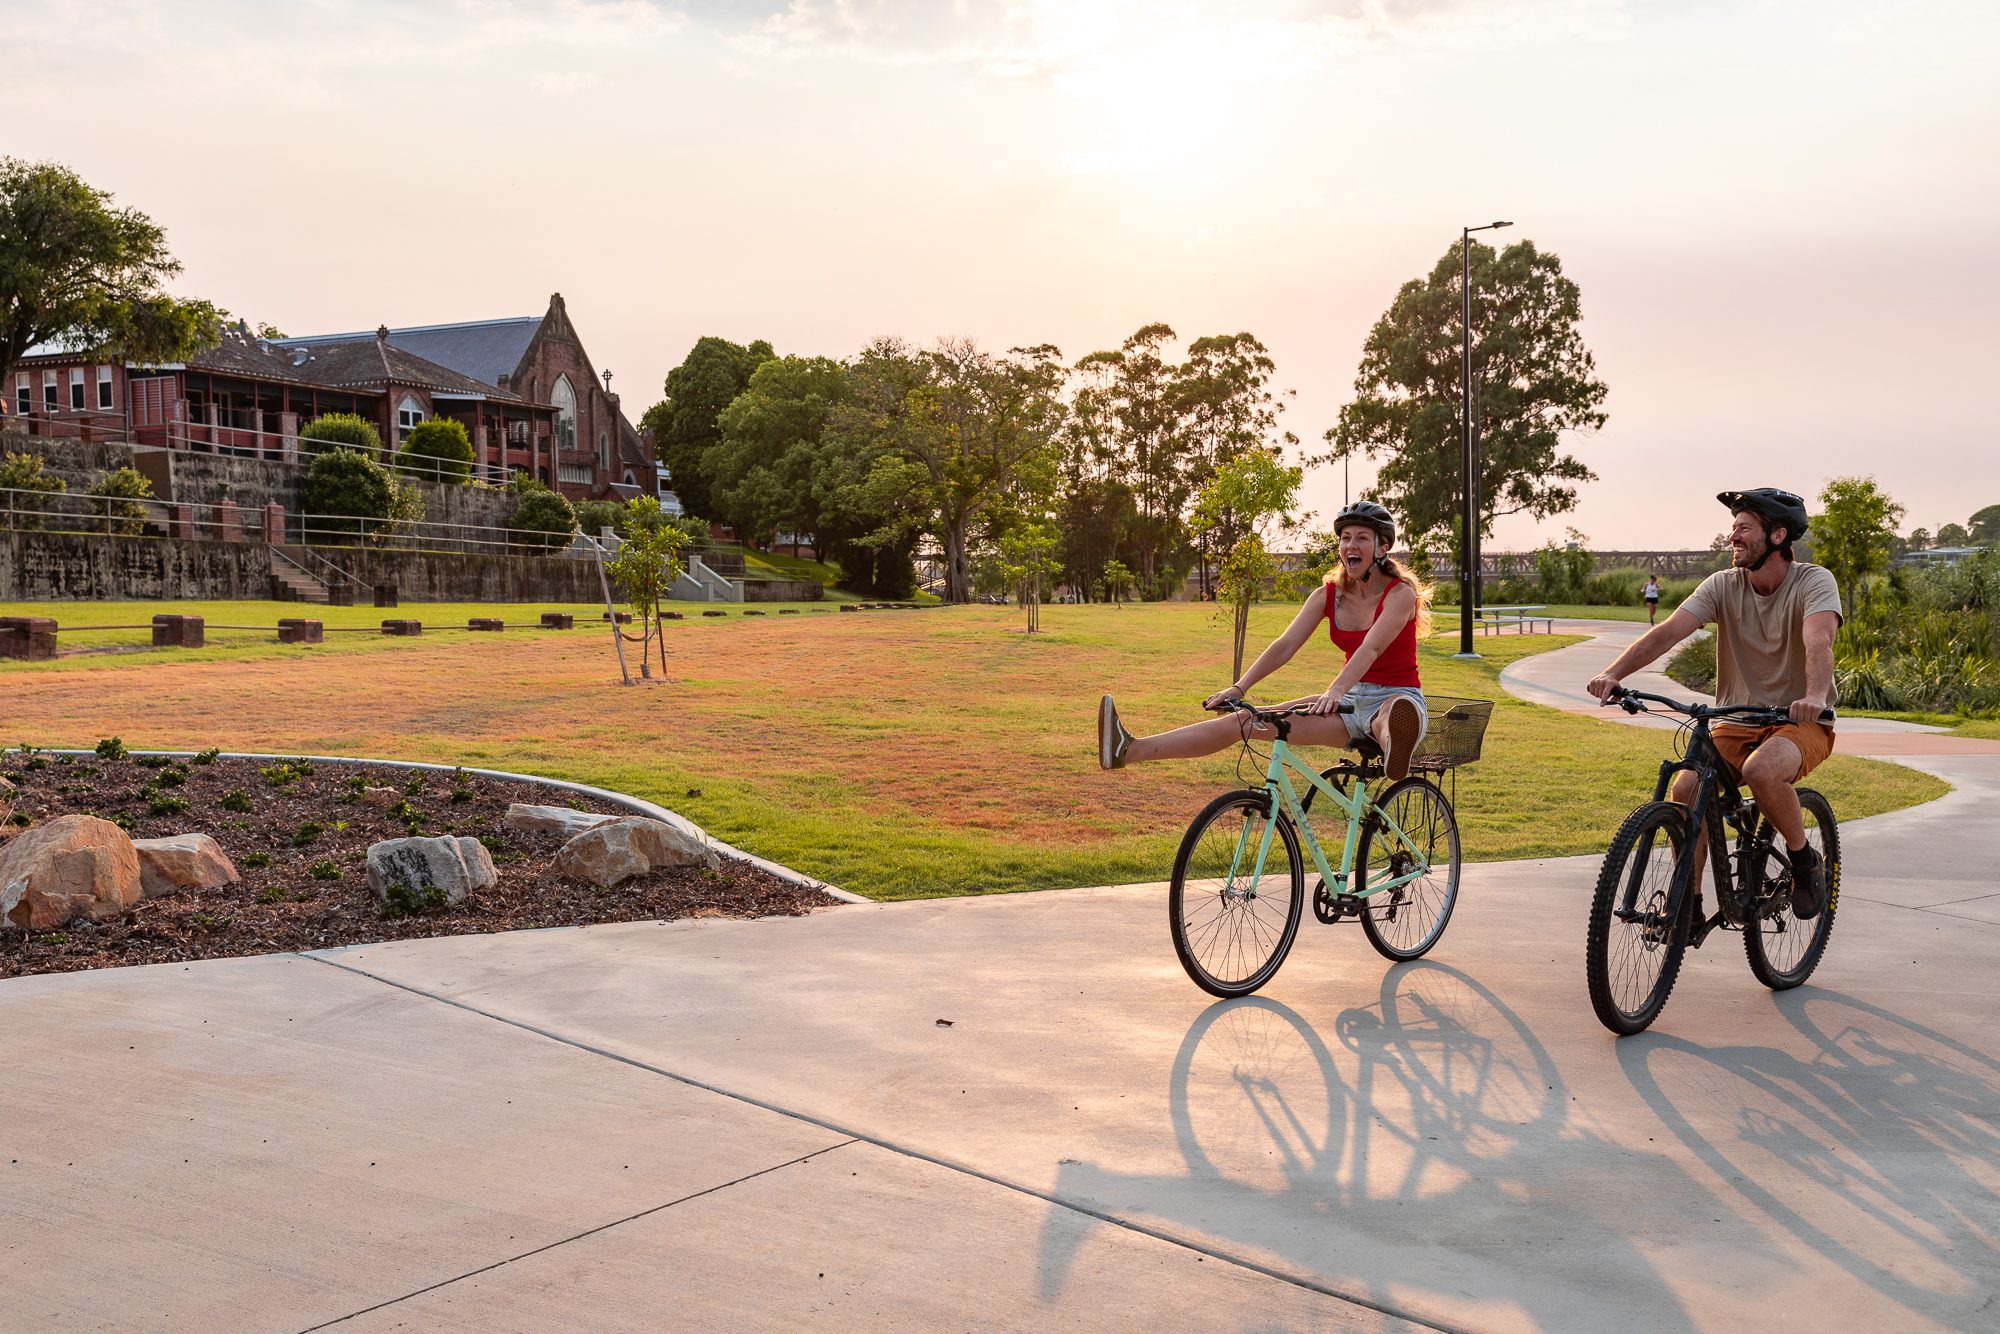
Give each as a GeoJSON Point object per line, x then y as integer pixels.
{"type": "Point", "coordinates": [1468, 543]}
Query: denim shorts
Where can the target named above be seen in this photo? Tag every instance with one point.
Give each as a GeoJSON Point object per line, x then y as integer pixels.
{"type": "Point", "coordinates": [1368, 699]}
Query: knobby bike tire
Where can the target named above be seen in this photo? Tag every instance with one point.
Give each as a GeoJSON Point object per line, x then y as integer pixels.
{"type": "Point", "coordinates": [1387, 917]}
{"type": "Point", "coordinates": [1766, 940]}
{"type": "Point", "coordinates": [1232, 947]}
{"type": "Point", "coordinates": [1623, 958]}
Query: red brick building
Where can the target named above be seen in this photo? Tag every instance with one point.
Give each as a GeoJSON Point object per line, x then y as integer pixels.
{"type": "Point", "coordinates": [523, 388]}
{"type": "Point", "coordinates": [537, 359]}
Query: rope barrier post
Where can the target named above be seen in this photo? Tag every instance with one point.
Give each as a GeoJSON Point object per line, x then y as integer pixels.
{"type": "Point", "coordinates": [610, 612]}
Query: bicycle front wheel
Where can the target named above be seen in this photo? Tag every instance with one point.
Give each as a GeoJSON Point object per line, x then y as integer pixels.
{"type": "Point", "coordinates": [1233, 913]}
{"type": "Point", "coordinates": [1404, 921]}
{"type": "Point", "coordinates": [1784, 950]}
{"type": "Point", "coordinates": [1635, 948]}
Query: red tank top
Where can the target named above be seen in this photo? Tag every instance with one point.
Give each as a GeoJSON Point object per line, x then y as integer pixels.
{"type": "Point", "coordinates": [1396, 665]}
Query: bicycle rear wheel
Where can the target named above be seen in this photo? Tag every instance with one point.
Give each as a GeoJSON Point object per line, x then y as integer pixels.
{"type": "Point", "coordinates": [1783, 950]}
{"type": "Point", "coordinates": [1231, 925]}
{"type": "Point", "coordinates": [1634, 952]}
{"type": "Point", "coordinates": [1404, 922]}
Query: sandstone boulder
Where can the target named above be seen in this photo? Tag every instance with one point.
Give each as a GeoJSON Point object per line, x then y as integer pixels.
{"type": "Point", "coordinates": [621, 849]}
{"type": "Point", "coordinates": [552, 820]}
{"type": "Point", "coordinates": [185, 861]}
{"type": "Point", "coordinates": [72, 866]}
{"type": "Point", "coordinates": [424, 864]}
{"type": "Point", "coordinates": [478, 863]}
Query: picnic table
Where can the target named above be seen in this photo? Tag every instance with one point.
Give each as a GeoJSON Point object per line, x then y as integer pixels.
{"type": "Point", "coordinates": [1492, 619]}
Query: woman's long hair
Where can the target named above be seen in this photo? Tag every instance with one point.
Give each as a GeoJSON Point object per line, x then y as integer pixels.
{"type": "Point", "coordinates": [1338, 579]}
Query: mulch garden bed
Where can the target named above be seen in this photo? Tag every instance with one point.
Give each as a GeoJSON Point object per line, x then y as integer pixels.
{"type": "Point", "coordinates": [299, 833]}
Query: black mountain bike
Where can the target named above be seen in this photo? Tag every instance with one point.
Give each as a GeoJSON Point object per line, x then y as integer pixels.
{"type": "Point", "coordinates": [1642, 918]}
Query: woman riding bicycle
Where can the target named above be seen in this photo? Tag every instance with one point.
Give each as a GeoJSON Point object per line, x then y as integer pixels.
{"type": "Point", "coordinates": [1375, 609]}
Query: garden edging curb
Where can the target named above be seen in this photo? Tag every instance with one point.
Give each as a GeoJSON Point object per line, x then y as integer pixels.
{"type": "Point", "coordinates": [636, 805]}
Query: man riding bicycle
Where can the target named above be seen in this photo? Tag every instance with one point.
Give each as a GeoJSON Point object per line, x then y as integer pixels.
{"type": "Point", "coordinates": [1774, 619]}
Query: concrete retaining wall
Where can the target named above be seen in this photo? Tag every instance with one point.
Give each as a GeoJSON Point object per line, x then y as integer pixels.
{"type": "Point", "coordinates": [72, 567]}
{"type": "Point", "coordinates": [57, 567]}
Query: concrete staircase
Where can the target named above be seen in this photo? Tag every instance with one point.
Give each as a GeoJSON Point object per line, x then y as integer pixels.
{"type": "Point", "coordinates": [292, 582]}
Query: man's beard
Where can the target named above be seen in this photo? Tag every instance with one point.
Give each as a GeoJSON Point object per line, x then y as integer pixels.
{"type": "Point", "coordinates": [1744, 560]}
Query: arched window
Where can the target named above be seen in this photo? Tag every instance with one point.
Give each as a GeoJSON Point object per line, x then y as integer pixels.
{"type": "Point", "coordinates": [409, 414]}
{"type": "Point", "coordinates": [564, 398]}
{"type": "Point", "coordinates": [604, 451]}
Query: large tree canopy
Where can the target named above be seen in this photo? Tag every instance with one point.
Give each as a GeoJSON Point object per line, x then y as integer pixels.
{"type": "Point", "coordinates": [684, 424]}
{"type": "Point", "coordinates": [766, 472]}
{"type": "Point", "coordinates": [1534, 379]}
{"type": "Point", "coordinates": [76, 270]}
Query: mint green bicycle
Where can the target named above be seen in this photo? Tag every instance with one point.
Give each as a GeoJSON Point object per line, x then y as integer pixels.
{"type": "Point", "coordinates": [1238, 889]}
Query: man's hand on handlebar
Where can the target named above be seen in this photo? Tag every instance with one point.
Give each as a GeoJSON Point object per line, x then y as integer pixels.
{"type": "Point", "coordinates": [1601, 686]}
{"type": "Point", "coordinates": [1805, 711]}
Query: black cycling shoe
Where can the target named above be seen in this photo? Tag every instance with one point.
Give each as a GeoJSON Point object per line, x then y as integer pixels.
{"type": "Point", "coordinates": [1808, 883]}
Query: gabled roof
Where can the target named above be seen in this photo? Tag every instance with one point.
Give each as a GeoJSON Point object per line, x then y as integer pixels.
{"type": "Point", "coordinates": [368, 363]}
{"type": "Point", "coordinates": [483, 350]}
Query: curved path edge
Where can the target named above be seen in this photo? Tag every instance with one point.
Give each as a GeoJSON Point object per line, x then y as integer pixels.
{"type": "Point", "coordinates": [636, 805]}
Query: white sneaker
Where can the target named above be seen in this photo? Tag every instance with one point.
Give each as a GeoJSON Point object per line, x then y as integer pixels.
{"type": "Point", "coordinates": [1112, 738]}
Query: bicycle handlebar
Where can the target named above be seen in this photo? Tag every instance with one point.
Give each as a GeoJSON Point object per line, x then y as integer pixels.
{"type": "Point", "coordinates": [1635, 701]}
{"type": "Point", "coordinates": [1241, 705]}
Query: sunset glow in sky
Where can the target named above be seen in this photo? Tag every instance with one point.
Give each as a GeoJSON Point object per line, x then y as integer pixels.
{"type": "Point", "coordinates": [1782, 215]}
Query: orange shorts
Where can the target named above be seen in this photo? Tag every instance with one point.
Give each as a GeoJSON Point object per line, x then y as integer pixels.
{"type": "Point", "coordinates": [1736, 744]}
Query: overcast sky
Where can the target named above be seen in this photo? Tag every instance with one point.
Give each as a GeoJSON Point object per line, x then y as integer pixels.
{"type": "Point", "coordinates": [1782, 215]}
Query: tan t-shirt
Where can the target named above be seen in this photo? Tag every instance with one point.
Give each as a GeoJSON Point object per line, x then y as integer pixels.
{"type": "Point", "coordinates": [1760, 646]}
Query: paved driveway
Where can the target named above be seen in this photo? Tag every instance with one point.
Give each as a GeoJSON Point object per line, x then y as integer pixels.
{"type": "Point", "coordinates": [765, 1124]}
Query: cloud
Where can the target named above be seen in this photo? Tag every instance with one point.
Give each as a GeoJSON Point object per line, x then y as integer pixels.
{"type": "Point", "coordinates": [1043, 39]}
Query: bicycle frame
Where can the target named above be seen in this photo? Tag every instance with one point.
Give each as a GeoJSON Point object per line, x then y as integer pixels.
{"type": "Point", "coordinates": [1705, 821]}
{"type": "Point", "coordinates": [1285, 799]}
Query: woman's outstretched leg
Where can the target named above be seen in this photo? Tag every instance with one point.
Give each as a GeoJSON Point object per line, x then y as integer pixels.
{"type": "Point", "coordinates": [1118, 747]}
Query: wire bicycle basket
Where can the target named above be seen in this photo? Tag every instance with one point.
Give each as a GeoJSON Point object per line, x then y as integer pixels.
{"type": "Point", "coordinates": [1457, 730]}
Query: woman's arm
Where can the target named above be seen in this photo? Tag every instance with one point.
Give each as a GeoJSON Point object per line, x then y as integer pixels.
{"type": "Point", "coordinates": [1399, 604]}
{"type": "Point", "coordinates": [1281, 649]}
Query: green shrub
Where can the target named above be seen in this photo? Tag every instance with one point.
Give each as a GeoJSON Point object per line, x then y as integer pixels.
{"type": "Point", "coordinates": [1694, 665]}
{"type": "Point", "coordinates": [545, 519]}
{"type": "Point", "coordinates": [332, 429]}
{"type": "Point", "coordinates": [399, 900]}
{"type": "Point", "coordinates": [118, 494]}
{"type": "Point", "coordinates": [438, 450]}
{"type": "Point", "coordinates": [342, 490]}
{"type": "Point", "coordinates": [283, 774]}
{"type": "Point", "coordinates": [111, 748]}
{"type": "Point", "coordinates": [168, 806]}
{"type": "Point", "coordinates": [594, 516]}
{"type": "Point", "coordinates": [237, 800]}
{"type": "Point", "coordinates": [324, 869]}
{"type": "Point", "coordinates": [1859, 682]}
{"type": "Point", "coordinates": [306, 834]}
{"type": "Point", "coordinates": [26, 472]}
{"type": "Point", "coordinates": [256, 861]}
{"type": "Point", "coordinates": [208, 756]}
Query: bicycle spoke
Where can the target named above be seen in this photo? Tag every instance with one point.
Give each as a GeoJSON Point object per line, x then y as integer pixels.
{"type": "Point", "coordinates": [1230, 935]}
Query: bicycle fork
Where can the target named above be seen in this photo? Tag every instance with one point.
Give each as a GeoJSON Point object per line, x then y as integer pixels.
{"type": "Point", "coordinates": [1703, 835]}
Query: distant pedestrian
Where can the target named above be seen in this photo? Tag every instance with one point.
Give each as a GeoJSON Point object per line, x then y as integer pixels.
{"type": "Point", "coordinates": [1652, 599]}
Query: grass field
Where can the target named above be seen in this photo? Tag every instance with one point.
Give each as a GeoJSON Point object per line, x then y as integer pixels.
{"type": "Point", "coordinates": [898, 754]}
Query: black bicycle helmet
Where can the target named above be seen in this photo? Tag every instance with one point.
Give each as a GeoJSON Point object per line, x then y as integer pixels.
{"type": "Point", "coordinates": [1374, 516]}
{"type": "Point", "coordinates": [1778, 509]}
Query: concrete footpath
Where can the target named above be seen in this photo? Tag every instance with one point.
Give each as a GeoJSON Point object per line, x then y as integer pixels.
{"type": "Point", "coordinates": [1016, 1112]}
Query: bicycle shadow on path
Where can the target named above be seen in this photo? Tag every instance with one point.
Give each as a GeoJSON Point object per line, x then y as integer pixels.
{"type": "Point", "coordinates": [1890, 1127]}
{"type": "Point", "coordinates": [1429, 1166]}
